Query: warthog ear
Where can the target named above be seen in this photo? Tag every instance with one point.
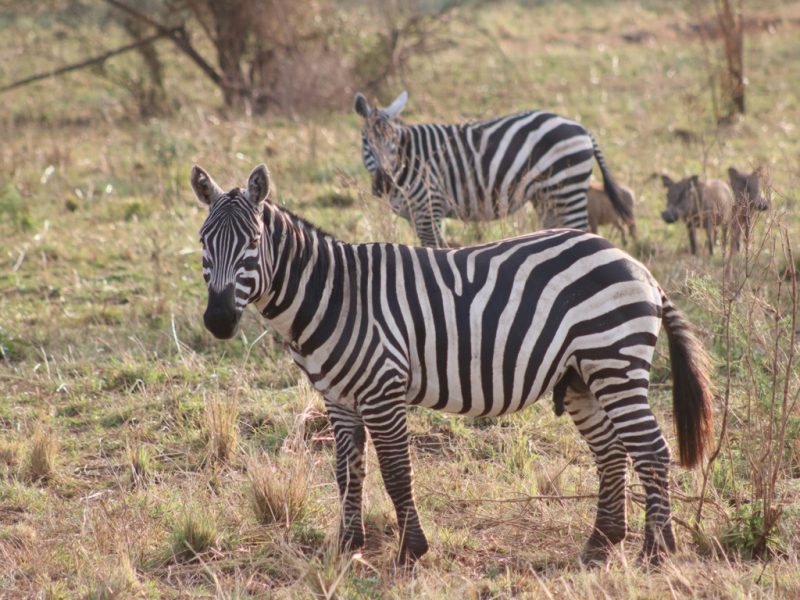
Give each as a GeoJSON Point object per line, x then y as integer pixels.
{"type": "Point", "coordinates": [361, 105]}
{"type": "Point", "coordinates": [205, 188]}
{"type": "Point", "coordinates": [258, 184]}
{"type": "Point", "coordinates": [667, 181]}
{"type": "Point", "coordinates": [734, 175]}
{"type": "Point", "coordinates": [396, 107]}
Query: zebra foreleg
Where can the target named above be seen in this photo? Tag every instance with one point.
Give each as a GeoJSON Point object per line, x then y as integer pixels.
{"type": "Point", "coordinates": [641, 436]}
{"type": "Point", "coordinates": [428, 223]}
{"type": "Point", "coordinates": [388, 431]}
{"type": "Point", "coordinates": [610, 525]}
{"type": "Point", "coordinates": [348, 431]}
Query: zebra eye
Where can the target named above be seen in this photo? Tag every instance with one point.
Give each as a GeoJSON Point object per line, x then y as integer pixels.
{"type": "Point", "coordinates": [254, 242]}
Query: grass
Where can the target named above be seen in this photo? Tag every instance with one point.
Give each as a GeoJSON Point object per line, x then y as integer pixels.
{"type": "Point", "coordinates": [40, 462]}
{"type": "Point", "coordinates": [220, 428]}
{"type": "Point", "coordinates": [102, 337]}
{"type": "Point", "coordinates": [195, 533]}
{"type": "Point", "coordinates": [278, 493]}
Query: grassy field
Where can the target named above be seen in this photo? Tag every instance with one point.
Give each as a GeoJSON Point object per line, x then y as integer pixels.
{"type": "Point", "coordinates": [127, 434]}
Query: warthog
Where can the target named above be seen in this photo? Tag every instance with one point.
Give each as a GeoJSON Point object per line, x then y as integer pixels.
{"type": "Point", "coordinates": [601, 211]}
{"type": "Point", "coordinates": [699, 203]}
{"type": "Point", "coordinates": [748, 197]}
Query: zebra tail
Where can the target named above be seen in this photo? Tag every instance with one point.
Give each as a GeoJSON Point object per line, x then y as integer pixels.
{"type": "Point", "coordinates": [610, 186]}
{"type": "Point", "coordinates": [691, 386]}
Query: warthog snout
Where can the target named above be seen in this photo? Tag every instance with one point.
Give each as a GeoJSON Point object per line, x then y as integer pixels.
{"type": "Point", "coordinates": [381, 183]}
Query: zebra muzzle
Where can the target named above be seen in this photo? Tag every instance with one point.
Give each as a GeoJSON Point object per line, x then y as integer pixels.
{"type": "Point", "coordinates": [221, 317]}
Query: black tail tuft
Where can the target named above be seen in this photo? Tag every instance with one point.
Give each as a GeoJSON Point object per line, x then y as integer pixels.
{"type": "Point", "coordinates": [691, 386]}
{"type": "Point", "coordinates": [611, 188]}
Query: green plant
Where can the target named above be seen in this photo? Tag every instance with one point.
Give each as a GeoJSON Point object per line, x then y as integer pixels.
{"type": "Point", "coordinates": [751, 532]}
{"type": "Point", "coordinates": [140, 463]}
{"type": "Point", "coordinates": [195, 533]}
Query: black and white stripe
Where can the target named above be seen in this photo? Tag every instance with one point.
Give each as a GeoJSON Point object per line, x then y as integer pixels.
{"type": "Point", "coordinates": [485, 330]}
{"type": "Point", "coordinates": [483, 170]}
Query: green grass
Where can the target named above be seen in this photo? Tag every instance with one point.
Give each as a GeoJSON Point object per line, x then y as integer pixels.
{"type": "Point", "coordinates": [102, 343]}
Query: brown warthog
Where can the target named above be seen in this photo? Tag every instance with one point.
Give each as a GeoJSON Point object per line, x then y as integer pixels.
{"type": "Point", "coordinates": [602, 212]}
{"type": "Point", "coordinates": [748, 197]}
{"type": "Point", "coordinates": [699, 203]}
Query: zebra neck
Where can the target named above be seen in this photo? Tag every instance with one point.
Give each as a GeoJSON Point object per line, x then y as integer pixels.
{"type": "Point", "coordinates": [404, 154]}
{"type": "Point", "coordinates": [299, 273]}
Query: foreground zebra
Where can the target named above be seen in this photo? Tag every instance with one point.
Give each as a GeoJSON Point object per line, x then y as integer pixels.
{"type": "Point", "coordinates": [481, 171]}
{"type": "Point", "coordinates": [484, 330]}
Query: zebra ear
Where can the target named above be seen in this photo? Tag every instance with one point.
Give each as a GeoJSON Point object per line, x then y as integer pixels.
{"type": "Point", "coordinates": [258, 185]}
{"type": "Point", "coordinates": [361, 105]}
{"type": "Point", "coordinates": [205, 188]}
{"type": "Point", "coordinates": [396, 107]}
{"type": "Point", "coordinates": [667, 181]}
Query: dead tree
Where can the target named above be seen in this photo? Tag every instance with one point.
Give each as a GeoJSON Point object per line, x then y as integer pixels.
{"type": "Point", "coordinates": [731, 27]}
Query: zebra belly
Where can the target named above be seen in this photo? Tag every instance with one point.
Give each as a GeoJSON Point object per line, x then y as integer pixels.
{"type": "Point", "coordinates": [499, 335]}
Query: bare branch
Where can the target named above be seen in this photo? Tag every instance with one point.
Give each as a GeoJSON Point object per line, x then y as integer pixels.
{"type": "Point", "coordinates": [96, 60]}
{"type": "Point", "coordinates": [178, 35]}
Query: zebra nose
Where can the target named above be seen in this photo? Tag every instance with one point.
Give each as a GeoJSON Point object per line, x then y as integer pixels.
{"type": "Point", "coordinates": [221, 317]}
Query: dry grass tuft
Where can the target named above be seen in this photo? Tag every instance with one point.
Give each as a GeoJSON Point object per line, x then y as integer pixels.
{"type": "Point", "coordinates": [140, 463]}
{"type": "Point", "coordinates": [548, 478]}
{"type": "Point", "coordinates": [40, 463]}
{"type": "Point", "coordinates": [278, 489]}
{"type": "Point", "coordinates": [326, 570]}
{"type": "Point", "coordinates": [9, 455]}
{"type": "Point", "coordinates": [220, 428]}
{"type": "Point", "coordinates": [19, 535]}
{"type": "Point", "coordinates": [195, 533]}
{"type": "Point", "coordinates": [118, 581]}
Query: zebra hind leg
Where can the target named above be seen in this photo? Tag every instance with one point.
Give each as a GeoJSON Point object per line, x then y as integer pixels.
{"type": "Point", "coordinates": [610, 525]}
{"type": "Point", "coordinates": [348, 431]}
{"type": "Point", "coordinates": [627, 408]}
{"type": "Point", "coordinates": [389, 434]}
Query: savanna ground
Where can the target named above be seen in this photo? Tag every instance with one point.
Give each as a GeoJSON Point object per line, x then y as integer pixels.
{"type": "Point", "coordinates": [138, 456]}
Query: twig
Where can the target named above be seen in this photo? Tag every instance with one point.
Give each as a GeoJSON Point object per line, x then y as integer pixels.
{"type": "Point", "coordinates": [96, 60]}
{"type": "Point", "coordinates": [179, 37]}
{"type": "Point", "coordinates": [521, 499]}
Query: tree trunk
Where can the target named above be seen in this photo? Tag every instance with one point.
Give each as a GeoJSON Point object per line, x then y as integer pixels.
{"type": "Point", "coordinates": [731, 27]}
{"type": "Point", "coordinates": [153, 96]}
{"type": "Point", "coordinates": [232, 26]}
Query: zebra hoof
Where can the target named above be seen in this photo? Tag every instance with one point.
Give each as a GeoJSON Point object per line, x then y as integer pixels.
{"type": "Point", "coordinates": [597, 550]}
{"type": "Point", "coordinates": [656, 548]}
{"type": "Point", "coordinates": [351, 541]}
{"type": "Point", "coordinates": [594, 557]}
{"type": "Point", "coordinates": [411, 551]}
{"type": "Point", "coordinates": [651, 557]}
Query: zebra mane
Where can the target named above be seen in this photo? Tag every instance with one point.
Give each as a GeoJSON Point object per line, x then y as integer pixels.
{"type": "Point", "coordinates": [298, 221]}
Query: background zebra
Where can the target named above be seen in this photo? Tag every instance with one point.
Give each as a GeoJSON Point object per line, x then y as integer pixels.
{"type": "Point", "coordinates": [484, 330]}
{"type": "Point", "coordinates": [481, 171]}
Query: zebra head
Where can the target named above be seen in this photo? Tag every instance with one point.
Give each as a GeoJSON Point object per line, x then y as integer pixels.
{"type": "Point", "coordinates": [380, 141]}
{"type": "Point", "coordinates": [232, 241]}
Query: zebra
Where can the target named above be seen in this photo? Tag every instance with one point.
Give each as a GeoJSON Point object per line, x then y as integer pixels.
{"type": "Point", "coordinates": [484, 330]}
{"type": "Point", "coordinates": [483, 170]}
